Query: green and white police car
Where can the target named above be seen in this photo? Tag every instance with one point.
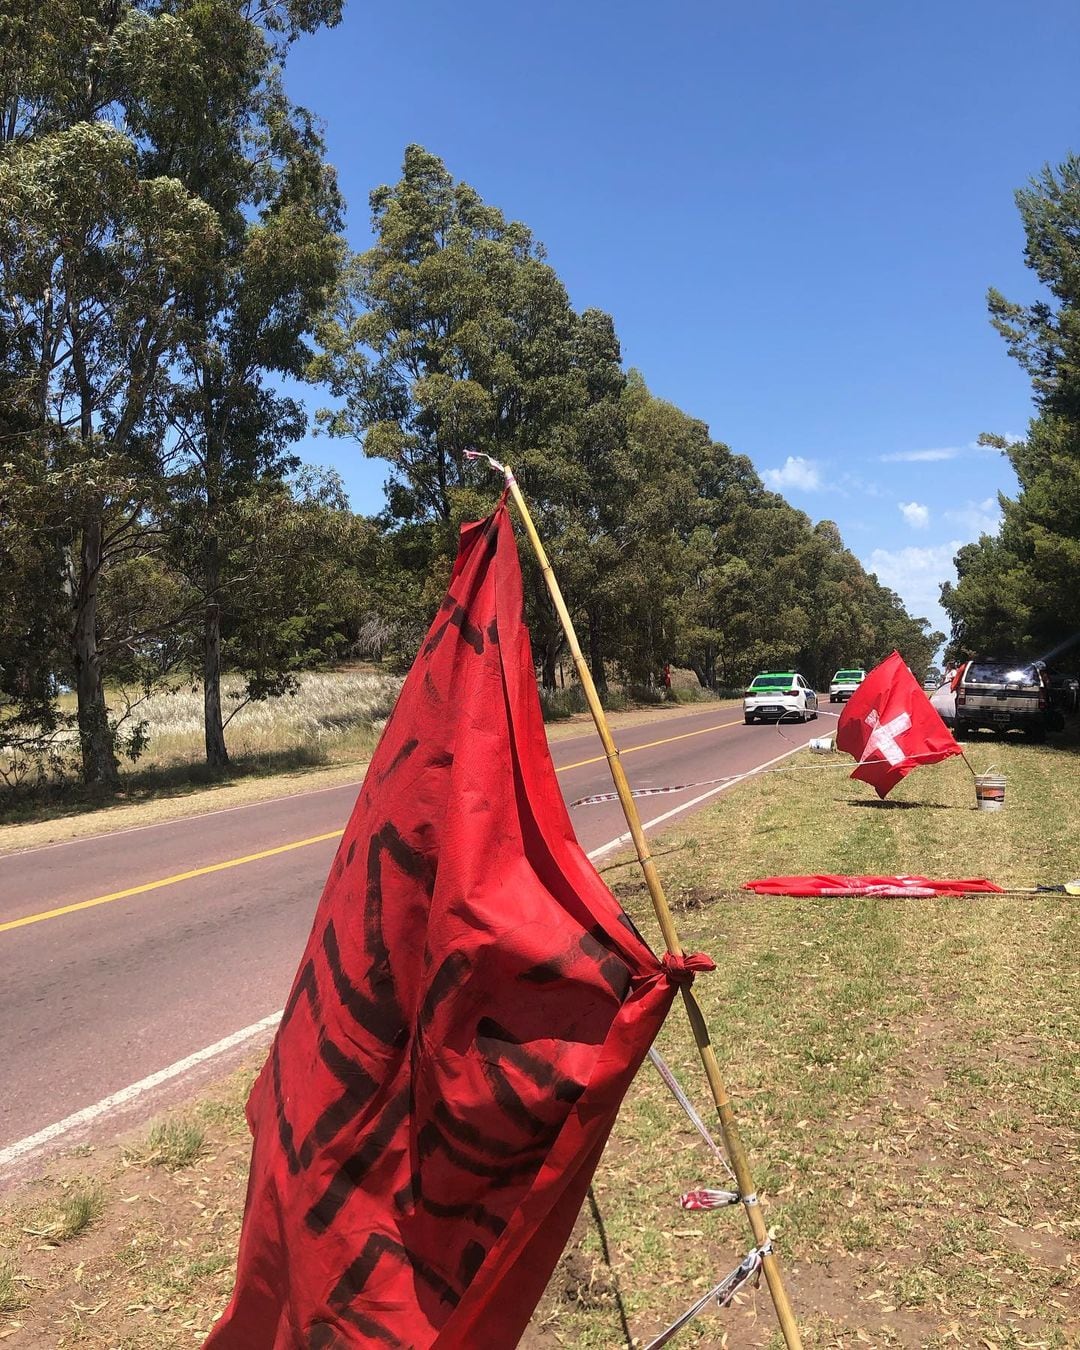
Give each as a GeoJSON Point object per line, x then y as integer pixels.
{"type": "Point", "coordinates": [844, 683]}
{"type": "Point", "coordinates": [775, 695]}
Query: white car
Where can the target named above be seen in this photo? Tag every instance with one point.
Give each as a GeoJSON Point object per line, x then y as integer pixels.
{"type": "Point", "coordinates": [776, 695]}
{"type": "Point", "coordinates": [844, 683]}
{"type": "Point", "coordinates": [944, 700]}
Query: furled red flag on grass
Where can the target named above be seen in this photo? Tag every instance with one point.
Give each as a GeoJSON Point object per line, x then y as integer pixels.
{"type": "Point", "coordinates": [467, 1016]}
{"type": "Point", "coordinates": [896, 887]}
{"type": "Point", "coordinates": [891, 727]}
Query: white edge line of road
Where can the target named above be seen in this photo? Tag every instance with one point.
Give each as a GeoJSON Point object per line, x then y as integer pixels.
{"type": "Point", "coordinates": [125, 1096]}
{"type": "Point", "coordinates": [33, 1142]}
{"type": "Point", "coordinates": [694, 801]}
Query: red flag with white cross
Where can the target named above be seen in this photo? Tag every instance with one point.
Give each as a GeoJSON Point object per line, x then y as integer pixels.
{"type": "Point", "coordinates": [891, 727]}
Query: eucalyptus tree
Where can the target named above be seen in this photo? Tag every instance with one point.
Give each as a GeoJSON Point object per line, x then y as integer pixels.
{"type": "Point", "coordinates": [93, 256]}
{"type": "Point", "coordinates": [167, 225]}
{"type": "Point", "coordinates": [452, 332]}
{"type": "Point", "coordinates": [94, 252]}
{"type": "Point", "coordinates": [224, 126]}
{"type": "Point", "coordinates": [33, 608]}
{"type": "Point", "coordinates": [307, 564]}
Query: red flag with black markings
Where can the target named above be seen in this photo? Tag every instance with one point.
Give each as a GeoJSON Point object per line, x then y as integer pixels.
{"type": "Point", "coordinates": [469, 1011]}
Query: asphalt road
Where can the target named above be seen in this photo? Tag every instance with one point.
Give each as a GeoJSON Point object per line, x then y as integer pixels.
{"type": "Point", "coordinates": [102, 990]}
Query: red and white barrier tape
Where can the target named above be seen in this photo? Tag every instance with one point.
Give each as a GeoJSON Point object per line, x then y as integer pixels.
{"type": "Point", "coordinates": [708, 1198]}
{"type": "Point", "coordinates": [598, 797]}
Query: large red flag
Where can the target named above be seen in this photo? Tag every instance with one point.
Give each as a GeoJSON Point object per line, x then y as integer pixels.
{"type": "Point", "coordinates": [469, 1011]}
{"type": "Point", "coordinates": [891, 727]}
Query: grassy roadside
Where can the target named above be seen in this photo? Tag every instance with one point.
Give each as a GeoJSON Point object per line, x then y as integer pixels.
{"type": "Point", "coordinates": [175, 795]}
{"type": "Point", "coordinates": [905, 1073]}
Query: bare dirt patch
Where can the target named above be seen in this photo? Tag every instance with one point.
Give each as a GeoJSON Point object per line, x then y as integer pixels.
{"type": "Point", "coordinates": [155, 1269]}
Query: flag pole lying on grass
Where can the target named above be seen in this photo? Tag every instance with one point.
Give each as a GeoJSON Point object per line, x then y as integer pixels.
{"type": "Point", "coordinates": [732, 1138]}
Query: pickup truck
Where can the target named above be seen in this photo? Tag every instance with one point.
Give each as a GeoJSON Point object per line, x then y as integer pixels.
{"type": "Point", "coordinates": [1002, 696]}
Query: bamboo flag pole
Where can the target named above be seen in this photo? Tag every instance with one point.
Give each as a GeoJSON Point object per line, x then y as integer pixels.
{"type": "Point", "coordinates": [732, 1139]}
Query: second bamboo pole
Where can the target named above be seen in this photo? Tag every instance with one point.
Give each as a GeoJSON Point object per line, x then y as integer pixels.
{"type": "Point", "coordinates": [732, 1139]}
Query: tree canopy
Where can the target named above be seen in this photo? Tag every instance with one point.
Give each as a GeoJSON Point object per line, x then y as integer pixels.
{"type": "Point", "coordinates": [168, 229]}
{"type": "Point", "coordinates": [453, 332]}
{"type": "Point", "coordinates": [171, 250]}
{"type": "Point", "coordinates": [1019, 591]}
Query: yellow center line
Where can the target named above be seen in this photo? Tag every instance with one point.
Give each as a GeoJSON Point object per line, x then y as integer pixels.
{"type": "Point", "coordinates": [288, 848]}
{"type": "Point", "coordinates": [684, 735]}
{"type": "Point", "coordinates": [167, 881]}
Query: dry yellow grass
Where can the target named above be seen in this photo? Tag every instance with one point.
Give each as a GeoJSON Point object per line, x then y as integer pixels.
{"type": "Point", "coordinates": [321, 735]}
{"type": "Point", "coordinates": [328, 708]}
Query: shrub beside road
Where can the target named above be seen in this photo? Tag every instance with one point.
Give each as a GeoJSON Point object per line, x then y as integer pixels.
{"type": "Point", "coordinates": [904, 1071]}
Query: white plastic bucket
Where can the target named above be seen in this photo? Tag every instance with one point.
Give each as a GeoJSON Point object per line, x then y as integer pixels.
{"type": "Point", "coordinates": [990, 791]}
{"type": "Point", "coordinates": [821, 745]}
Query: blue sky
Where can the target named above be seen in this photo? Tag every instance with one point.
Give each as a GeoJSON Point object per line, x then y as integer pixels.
{"type": "Point", "coordinates": [792, 210]}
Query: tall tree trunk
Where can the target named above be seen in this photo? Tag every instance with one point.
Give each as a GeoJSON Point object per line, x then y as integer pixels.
{"type": "Point", "coordinates": [217, 756]}
{"type": "Point", "coordinates": [548, 660]}
{"type": "Point", "coordinates": [596, 651]}
{"type": "Point", "coordinates": [99, 764]}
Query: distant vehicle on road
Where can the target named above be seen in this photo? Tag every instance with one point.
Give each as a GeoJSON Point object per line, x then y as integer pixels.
{"type": "Point", "coordinates": [844, 683]}
{"type": "Point", "coordinates": [1003, 696]}
{"type": "Point", "coordinates": [776, 695]}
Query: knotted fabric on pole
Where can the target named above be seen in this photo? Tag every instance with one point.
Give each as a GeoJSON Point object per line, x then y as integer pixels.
{"type": "Point", "coordinates": [891, 727]}
{"type": "Point", "coordinates": [469, 1011]}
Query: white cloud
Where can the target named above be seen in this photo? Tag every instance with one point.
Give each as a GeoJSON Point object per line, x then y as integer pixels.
{"type": "Point", "coordinates": [916, 574]}
{"type": "Point", "coordinates": [916, 515]}
{"type": "Point", "coordinates": [942, 453]}
{"type": "Point", "coordinates": [922, 456]}
{"type": "Point", "coordinates": [978, 517]}
{"type": "Point", "coordinates": [795, 472]}
{"type": "Point", "coordinates": [849, 483]}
